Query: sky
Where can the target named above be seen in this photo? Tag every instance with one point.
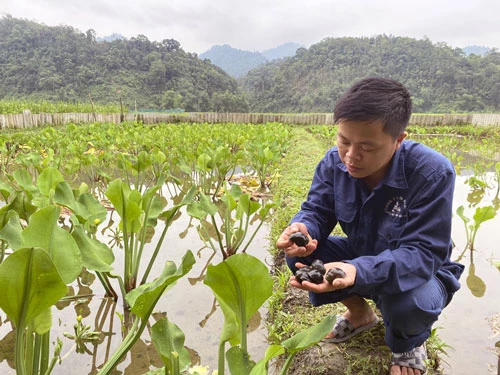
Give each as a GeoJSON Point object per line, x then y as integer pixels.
{"type": "Point", "coordinates": [258, 25]}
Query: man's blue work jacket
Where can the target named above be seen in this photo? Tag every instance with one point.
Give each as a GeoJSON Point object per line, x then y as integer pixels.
{"type": "Point", "coordinates": [400, 232]}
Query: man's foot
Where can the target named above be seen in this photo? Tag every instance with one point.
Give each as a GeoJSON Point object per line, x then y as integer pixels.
{"type": "Point", "coordinates": [409, 363]}
{"type": "Point", "coordinates": [350, 325]}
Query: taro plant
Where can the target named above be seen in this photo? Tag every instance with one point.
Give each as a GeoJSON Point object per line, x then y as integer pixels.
{"type": "Point", "coordinates": [44, 257]}
{"type": "Point", "coordinates": [31, 284]}
{"type": "Point", "coordinates": [227, 228]}
{"type": "Point", "coordinates": [481, 215]}
{"type": "Point", "coordinates": [209, 167]}
{"type": "Point", "coordinates": [241, 285]}
{"type": "Point", "coordinates": [140, 212]}
{"type": "Point", "coordinates": [142, 302]}
{"type": "Point", "coordinates": [265, 151]}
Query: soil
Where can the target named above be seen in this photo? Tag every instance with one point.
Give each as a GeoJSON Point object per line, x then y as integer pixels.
{"type": "Point", "coordinates": [366, 354]}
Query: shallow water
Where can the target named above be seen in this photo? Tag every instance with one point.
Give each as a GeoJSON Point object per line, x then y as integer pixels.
{"type": "Point", "coordinates": [190, 304]}
{"type": "Point", "coordinates": [464, 324]}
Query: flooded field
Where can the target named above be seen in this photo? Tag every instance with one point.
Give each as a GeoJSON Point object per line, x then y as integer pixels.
{"type": "Point", "coordinates": [467, 325]}
{"type": "Point", "coordinates": [471, 323]}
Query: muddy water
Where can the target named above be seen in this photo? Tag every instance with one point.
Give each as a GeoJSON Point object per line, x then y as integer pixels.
{"type": "Point", "coordinates": [467, 323]}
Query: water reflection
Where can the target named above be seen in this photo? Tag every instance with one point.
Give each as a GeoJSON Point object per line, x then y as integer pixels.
{"type": "Point", "coordinates": [464, 323]}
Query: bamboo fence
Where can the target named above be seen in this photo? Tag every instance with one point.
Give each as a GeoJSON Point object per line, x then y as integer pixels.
{"type": "Point", "coordinates": [30, 120]}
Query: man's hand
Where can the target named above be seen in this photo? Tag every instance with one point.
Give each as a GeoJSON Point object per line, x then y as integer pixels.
{"type": "Point", "coordinates": [291, 249]}
{"type": "Point", "coordinates": [325, 286]}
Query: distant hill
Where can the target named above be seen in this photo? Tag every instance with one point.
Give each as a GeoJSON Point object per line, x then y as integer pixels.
{"type": "Point", "coordinates": [476, 50]}
{"type": "Point", "coordinates": [61, 63]}
{"type": "Point", "coordinates": [441, 79]}
{"type": "Point", "coordinates": [284, 50]}
{"type": "Point", "coordinates": [237, 62]}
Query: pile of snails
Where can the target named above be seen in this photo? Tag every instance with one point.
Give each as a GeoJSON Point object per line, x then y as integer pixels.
{"type": "Point", "coordinates": [316, 271]}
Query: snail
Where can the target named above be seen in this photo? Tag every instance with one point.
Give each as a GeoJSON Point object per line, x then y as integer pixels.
{"type": "Point", "coordinates": [334, 273]}
{"type": "Point", "coordinates": [298, 238]}
{"type": "Point", "coordinates": [315, 272]}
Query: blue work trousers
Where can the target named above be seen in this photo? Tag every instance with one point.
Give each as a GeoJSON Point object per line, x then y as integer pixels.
{"type": "Point", "coordinates": [408, 316]}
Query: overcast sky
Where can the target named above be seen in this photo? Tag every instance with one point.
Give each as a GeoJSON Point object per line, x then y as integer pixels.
{"type": "Point", "coordinates": [257, 25]}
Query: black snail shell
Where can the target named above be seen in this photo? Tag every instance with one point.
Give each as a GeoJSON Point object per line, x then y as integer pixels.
{"type": "Point", "coordinates": [298, 238]}
{"type": "Point", "coordinates": [318, 265]}
{"type": "Point", "coordinates": [302, 274]}
{"type": "Point", "coordinates": [334, 273]}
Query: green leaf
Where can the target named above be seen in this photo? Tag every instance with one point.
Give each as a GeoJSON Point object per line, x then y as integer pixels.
{"type": "Point", "coordinates": [42, 322]}
{"type": "Point", "coordinates": [200, 209]}
{"type": "Point", "coordinates": [12, 230]}
{"type": "Point", "coordinates": [126, 203]}
{"type": "Point", "coordinates": [43, 231]}
{"type": "Point", "coordinates": [483, 214]}
{"type": "Point", "coordinates": [21, 203]}
{"type": "Point", "coordinates": [168, 340]}
{"type": "Point", "coordinates": [143, 298]}
{"type": "Point", "coordinates": [95, 254]}
{"type": "Point", "coordinates": [246, 206]}
{"type": "Point", "coordinates": [241, 285]}
{"type": "Point", "coordinates": [272, 351]}
{"type": "Point", "coordinates": [23, 178]}
{"type": "Point", "coordinates": [30, 284]}
{"type": "Point", "coordinates": [48, 180]}
{"type": "Point", "coordinates": [460, 213]}
{"type": "Point", "coordinates": [203, 163]}
{"type": "Point", "coordinates": [5, 190]}
{"type": "Point", "coordinates": [311, 336]}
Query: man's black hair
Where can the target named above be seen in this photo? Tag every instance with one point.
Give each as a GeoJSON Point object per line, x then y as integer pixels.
{"type": "Point", "coordinates": [375, 98]}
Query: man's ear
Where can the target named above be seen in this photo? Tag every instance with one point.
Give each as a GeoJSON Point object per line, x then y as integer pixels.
{"type": "Point", "coordinates": [400, 139]}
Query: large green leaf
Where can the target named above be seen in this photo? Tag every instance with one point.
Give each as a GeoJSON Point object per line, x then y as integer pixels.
{"type": "Point", "coordinates": [241, 285]}
{"type": "Point", "coordinates": [127, 204]}
{"type": "Point", "coordinates": [168, 340]}
{"type": "Point", "coordinates": [143, 298]}
{"type": "Point", "coordinates": [30, 284]}
{"type": "Point", "coordinates": [43, 231]}
{"type": "Point", "coordinates": [95, 254]}
{"type": "Point", "coordinates": [84, 205]}
{"type": "Point", "coordinates": [48, 180]}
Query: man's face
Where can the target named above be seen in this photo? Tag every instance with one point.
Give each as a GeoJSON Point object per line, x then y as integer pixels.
{"type": "Point", "coordinates": [366, 149]}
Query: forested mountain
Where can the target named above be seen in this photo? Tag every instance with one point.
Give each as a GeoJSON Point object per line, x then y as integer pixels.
{"type": "Point", "coordinates": [64, 64]}
{"type": "Point", "coordinates": [237, 62]}
{"type": "Point", "coordinates": [440, 78]}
